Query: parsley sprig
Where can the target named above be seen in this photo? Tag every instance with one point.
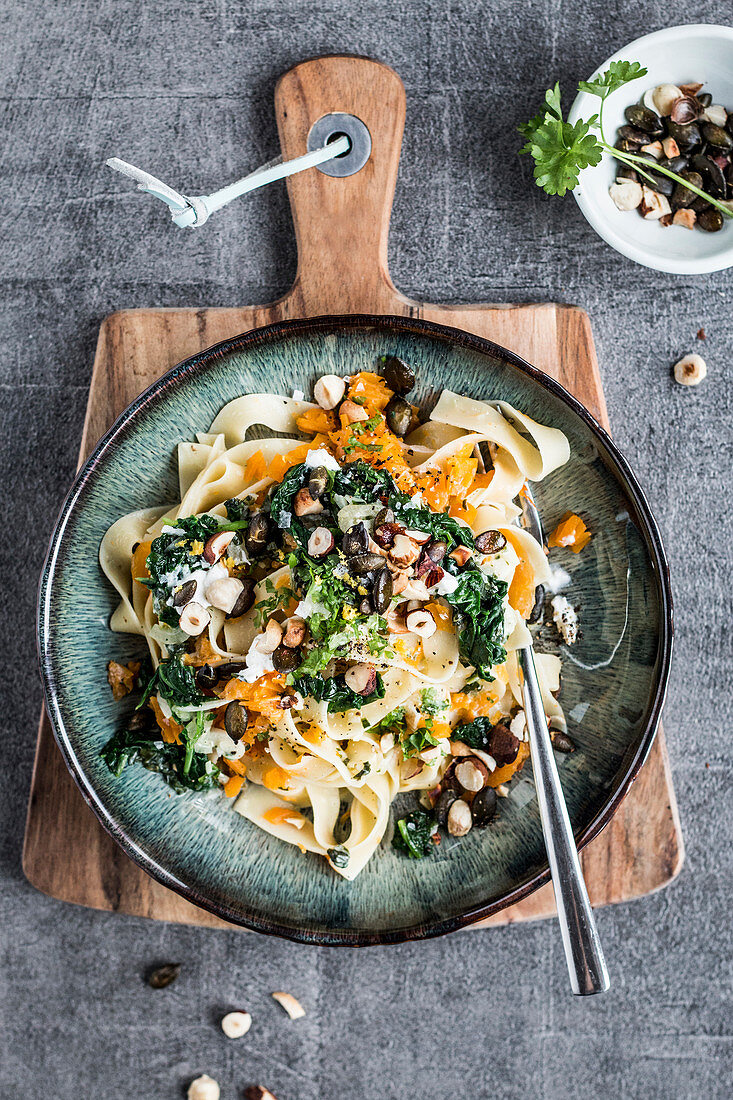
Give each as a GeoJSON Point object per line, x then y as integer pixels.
{"type": "Point", "coordinates": [561, 150]}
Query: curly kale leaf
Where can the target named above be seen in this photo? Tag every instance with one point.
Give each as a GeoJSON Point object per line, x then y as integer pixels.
{"type": "Point", "coordinates": [335, 692]}
{"type": "Point", "coordinates": [176, 552]}
{"type": "Point", "coordinates": [237, 508]}
{"type": "Point", "coordinates": [478, 612]}
{"type": "Point", "coordinates": [414, 834]}
{"type": "Point", "coordinates": [476, 734]}
{"type": "Point", "coordinates": [175, 682]}
{"type": "Point", "coordinates": [362, 482]}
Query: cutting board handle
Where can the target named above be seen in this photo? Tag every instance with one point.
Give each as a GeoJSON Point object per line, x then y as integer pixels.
{"type": "Point", "coordinates": [342, 224]}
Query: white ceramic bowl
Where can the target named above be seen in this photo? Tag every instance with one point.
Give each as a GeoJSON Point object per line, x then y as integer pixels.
{"type": "Point", "coordinates": [678, 55]}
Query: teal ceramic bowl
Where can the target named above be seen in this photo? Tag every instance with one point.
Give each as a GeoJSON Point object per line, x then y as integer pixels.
{"type": "Point", "coordinates": [613, 685]}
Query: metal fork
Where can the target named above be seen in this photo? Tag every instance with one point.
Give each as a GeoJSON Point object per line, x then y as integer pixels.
{"type": "Point", "coordinates": [583, 951]}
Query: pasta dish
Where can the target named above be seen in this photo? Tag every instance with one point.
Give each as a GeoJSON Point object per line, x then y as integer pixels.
{"type": "Point", "coordinates": [332, 613]}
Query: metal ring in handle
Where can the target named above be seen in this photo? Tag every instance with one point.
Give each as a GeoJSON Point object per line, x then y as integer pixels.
{"type": "Point", "coordinates": [583, 951]}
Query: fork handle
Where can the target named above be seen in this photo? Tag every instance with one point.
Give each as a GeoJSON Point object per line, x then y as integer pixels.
{"type": "Point", "coordinates": [583, 951]}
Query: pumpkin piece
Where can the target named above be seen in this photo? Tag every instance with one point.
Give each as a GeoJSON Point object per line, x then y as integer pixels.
{"type": "Point", "coordinates": [256, 468]}
{"type": "Point", "coordinates": [461, 471]}
{"type": "Point", "coordinates": [170, 729]}
{"type": "Point", "coordinates": [260, 698]}
{"type": "Point", "coordinates": [370, 390]}
{"type": "Point", "coordinates": [121, 678]}
{"type": "Point", "coordinates": [233, 785]}
{"type": "Point", "coordinates": [276, 778]}
{"type": "Point", "coordinates": [505, 773]}
{"type": "Point", "coordinates": [282, 815]}
{"type": "Point", "coordinates": [138, 564]}
{"type": "Point", "coordinates": [461, 509]}
{"type": "Point", "coordinates": [570, 532]}
{"type": "Point", "coordinates": [313, 421]}
{"type": "Point", "coordinates": [441, 613]}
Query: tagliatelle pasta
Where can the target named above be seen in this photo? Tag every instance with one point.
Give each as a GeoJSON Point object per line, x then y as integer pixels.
{"type": "Point", "coordinates": [332, 613]}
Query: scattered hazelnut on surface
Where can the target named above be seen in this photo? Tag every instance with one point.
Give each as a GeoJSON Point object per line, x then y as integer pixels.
{"type": "Point", "coordinates": [236, 1024]}
{"type": "Point", "coordinates": [194, 619]}
{"type": "Point", "coordinates": [258, 1092]}
{"type": "Point", "coordinates": [272, 637]}
{"type": "Point", "coordinates": [472, 774]}
{"type": "Point", "coordinates": [329, 390]}
{"type": "Point", "coordinates": [215, 546]}
{"type": "Point", "coordinates": [304, 504]}
{"type": "Point", "coordinates": [459, 818]}
{"type": "Point", "coordinates": [404, 551]}
{"type": "Point", "coordinates": [224, 593]}
{"type": "Point", "coordinates": [690, 370]}
{"type": "Point", "coordinates": [351, 413]}
{"type": "Point", "coordinates": [204, 1088]}
{"type": "Point", "coordinates": [321, 542]}
{"type": "Point", "coordinates": [653, 149]}
{"type": "Point", "coordinates": [684, 217]}
{"type": "Point", "coordinates": [421, 622]}
{"type": "Point", "coordinates": [653, 205]}
{"type": "Point", "coordinates": [670, 147]}
{"type": "Point", "coordinates": [362, 679]}
{"type": "Point", "coordinates": [292, 1006]}
{"type": "Point", "coordinates": [296, 630]}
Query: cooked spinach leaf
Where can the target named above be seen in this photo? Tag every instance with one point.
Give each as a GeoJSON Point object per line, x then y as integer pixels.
{"type": "Point", "coordinates": [478, 612]}
{"type": "Point", "coordinates": [281, 503]}
{"type": "Point", "coordinates": [362, 482]}
{"type": "Point", "coordinates": [335, 692]}
{"type": "Point", "coordinates": [175, 682]}
{"type": "Point", "coordinates": [419, 740]}
{"type": "Point", "coordinates": [176, 553]}
{"type": "Point", "coordinates": [476, 734]}
{"type": "Point", "coordinates": [414, 834]}
{"type": "Point", "coordinates": [441, 526]}
{"type": "Point", "coordinates": [237, 509]}
{"type": "Point", "coordinates": [136, 747]}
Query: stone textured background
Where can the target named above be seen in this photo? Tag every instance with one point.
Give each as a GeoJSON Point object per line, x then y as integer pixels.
{"type": "Point", "coordinates": [186, 89]}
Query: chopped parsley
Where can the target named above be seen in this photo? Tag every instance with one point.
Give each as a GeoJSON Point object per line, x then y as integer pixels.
{"type": "Point", "coordinates": [432, 701]}
{"type": "Point", "coordinates": [277, 598]}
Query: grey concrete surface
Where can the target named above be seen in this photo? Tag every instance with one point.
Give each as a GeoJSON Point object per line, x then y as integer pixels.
{"type": "Point", "coordinates": [186, 88]}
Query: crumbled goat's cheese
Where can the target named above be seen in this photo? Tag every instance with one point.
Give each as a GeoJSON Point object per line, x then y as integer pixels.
{"type": "Point", "coordinates": [256, 664]}
{"type": "Point", "coordinates": [559, 579]}
{"type": "Point", "coordinates": [447, 584]}
{"type": "Point", "coordinates": [321, 457]}
{"type": "Point", "coordinates": [566, 619]}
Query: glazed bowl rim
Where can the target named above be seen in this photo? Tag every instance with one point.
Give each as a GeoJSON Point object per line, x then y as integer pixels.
{"type": "Point", "coordinates": [273, 333]}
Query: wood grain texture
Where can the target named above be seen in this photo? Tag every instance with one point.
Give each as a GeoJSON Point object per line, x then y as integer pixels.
{"type": "Point", "coordinates": [342, 229]}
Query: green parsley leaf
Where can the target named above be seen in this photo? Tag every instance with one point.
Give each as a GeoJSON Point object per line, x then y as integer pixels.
{"type": "Point", "coordinates": [616, 75]}
{"type": "Point", "coordinates": [560, 151]}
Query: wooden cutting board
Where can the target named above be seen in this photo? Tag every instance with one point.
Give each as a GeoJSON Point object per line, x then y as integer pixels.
{"type": "Point", "coordinates": [341, 228]}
